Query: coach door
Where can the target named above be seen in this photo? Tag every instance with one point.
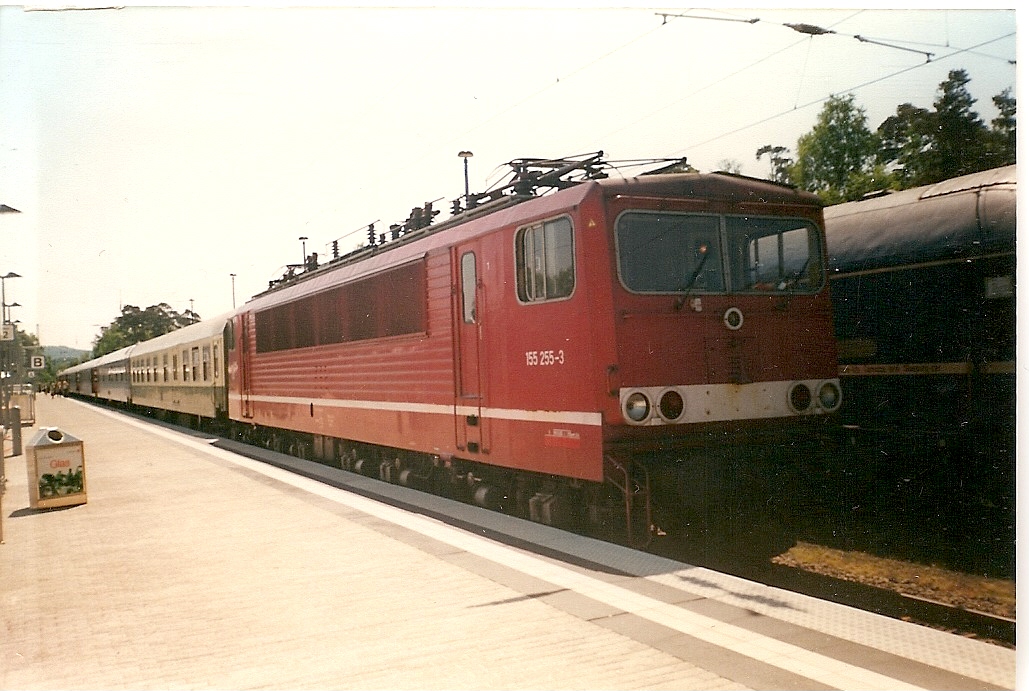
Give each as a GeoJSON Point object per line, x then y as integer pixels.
{"type": "Point", "coordinates": [244, 365]}
{"type": "Point", "coordinates": [468, 313]}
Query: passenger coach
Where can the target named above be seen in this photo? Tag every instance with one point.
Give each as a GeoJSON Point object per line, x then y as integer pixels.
{"type": "Point", "coordinates": [923, 285]}
{"type": "Point", "coordinates": [182, 373]}
{"type": "Point", "coordinates": [105, 378]}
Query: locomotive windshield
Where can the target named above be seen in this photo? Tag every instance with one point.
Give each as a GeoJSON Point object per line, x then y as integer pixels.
{"type": "Point", "coordinates": [662, 252]}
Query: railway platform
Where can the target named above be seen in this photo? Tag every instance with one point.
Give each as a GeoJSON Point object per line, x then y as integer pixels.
{"type": "Point", "coordinates": [191, 566]}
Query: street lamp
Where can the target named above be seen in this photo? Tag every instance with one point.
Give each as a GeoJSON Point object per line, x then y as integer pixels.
{"type": "Point", "coordinates": [465, 155]}
{"type": "Point", "coordinates": [7, 311]}
{"type": "Point", "coordinates": [303, 249]}
{"type": "Point", "coordinates": [233, 277]}
{"type": "Point", "coordinates": [3, 292]}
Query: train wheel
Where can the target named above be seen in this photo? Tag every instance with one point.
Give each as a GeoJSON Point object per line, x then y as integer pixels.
{"type": "Point", "coordinates": [366, 467]}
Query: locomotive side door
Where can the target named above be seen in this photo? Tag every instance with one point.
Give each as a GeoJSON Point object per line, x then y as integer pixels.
{"type": "Point", "coordinates": [468, 343]}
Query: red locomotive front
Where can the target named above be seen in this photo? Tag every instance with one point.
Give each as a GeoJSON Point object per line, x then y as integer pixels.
{"type": "Point", "coordinates": [721, 317]}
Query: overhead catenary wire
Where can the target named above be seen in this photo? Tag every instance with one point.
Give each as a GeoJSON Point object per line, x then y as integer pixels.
{"type": "Point", "coordinates": [847, 90]}
{"type": "Point", "coordinates": [802, 28]}
{"type": "Point", "coordinates": [809, 30]}
{"type": "Point", "coordinates": [722, 78]}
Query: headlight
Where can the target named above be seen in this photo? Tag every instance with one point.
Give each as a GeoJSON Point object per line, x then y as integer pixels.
{"type": "Point", "coordinates": [829, 395]}
{"type": "Point", "coordinates": [637, 407]}
{"type": "Point", "coordinates": [800, 397]}
{"type": "Point", "coordinates": [671, 405]}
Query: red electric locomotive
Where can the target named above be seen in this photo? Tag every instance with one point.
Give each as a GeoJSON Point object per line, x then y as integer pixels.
{"type": "Point", "coordinates": [558, 352]}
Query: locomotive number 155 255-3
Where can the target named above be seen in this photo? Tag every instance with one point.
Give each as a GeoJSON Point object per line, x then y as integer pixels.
{"type": "Point", "coordinates": [541, 358]}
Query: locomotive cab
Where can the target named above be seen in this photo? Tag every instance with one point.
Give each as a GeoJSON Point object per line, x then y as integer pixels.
{"type": "Point", "coordinates": [721, 309]}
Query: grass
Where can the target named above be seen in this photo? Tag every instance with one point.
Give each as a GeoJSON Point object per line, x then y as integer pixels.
{"type": "Point", "coordinates": [975, 593]}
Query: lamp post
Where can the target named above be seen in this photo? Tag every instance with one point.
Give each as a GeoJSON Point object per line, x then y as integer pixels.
{"type": "Point", "coordinates": [9, 334]}
{"type": "Point", "coordinates": [233, 277]}
{"type": "Point", "coordinates": [3, 292]}
{"type": "Point", "coordinates": [303, 250]}
{"type": "Point", "coordinates": [465, 155]}
{"type": "Point", "coordinates": [4, 209]}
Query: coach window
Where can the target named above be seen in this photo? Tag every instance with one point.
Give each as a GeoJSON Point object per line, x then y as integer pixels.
{"type": "Point", "coordinates": [194, 362]}
{"type": "Point", "coordinates": [175, 367]}
{"type": "Point", "coordinates": [164, 367]}
{"type": "Point", "coordinates": [185, 366]}
{"type": "Point", "coordinates": [207, 363]}
{"type": "Point", "coordinates": [545, 261]}
{"type": "Point", "coordinates": [468, 280]}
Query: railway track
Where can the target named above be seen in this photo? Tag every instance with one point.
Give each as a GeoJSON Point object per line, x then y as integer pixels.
{"type": "Point", "coordinates": [870, 588]}
{"type": "Point", "coordinates": [907, 606]}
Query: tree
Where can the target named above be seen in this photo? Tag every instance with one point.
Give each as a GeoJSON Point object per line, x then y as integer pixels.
{"type": "Point", "coordinates": [905, 142]}
{"type": "Point", "coordinates": [1002, 146]}
{"type": "Point", "coordinates": [961, 134]}
{"type": "Point", "coordinates": [778, 162]}
{"type": "Point", "coordinates": [840, 159]}
{"type": "Point", "coordinates": [730, 165]}
{"type": "Point", "coordinates": [835, 158]}
{"type": "Point", "coordinates": [924, 146]}
{"type": "Point", "coordinates": [136, 325]}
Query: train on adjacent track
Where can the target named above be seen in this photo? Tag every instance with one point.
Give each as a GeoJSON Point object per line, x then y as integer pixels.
{"type": "Point", "coordinates": [570, 347]}
{"type": "Point", "coordinates": [923, 289]}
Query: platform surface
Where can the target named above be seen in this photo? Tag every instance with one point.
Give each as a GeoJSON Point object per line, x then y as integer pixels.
{"type": "Point", "coordinates": [193, 567]}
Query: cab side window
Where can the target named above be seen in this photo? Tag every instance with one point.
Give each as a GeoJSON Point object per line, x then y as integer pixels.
{"type": "Point", "coordinates": [545, 261]}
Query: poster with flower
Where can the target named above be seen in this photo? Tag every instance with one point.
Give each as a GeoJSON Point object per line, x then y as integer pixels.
{"type": "Point", "coordinates": [59, 476]}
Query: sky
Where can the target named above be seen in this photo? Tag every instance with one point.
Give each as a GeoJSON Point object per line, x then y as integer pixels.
{"type": "Point", "coordinates": [153, 152]}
